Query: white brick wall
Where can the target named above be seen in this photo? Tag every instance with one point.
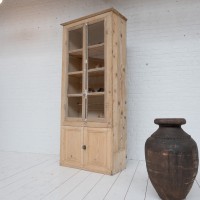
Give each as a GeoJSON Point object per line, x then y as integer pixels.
{"type": "Point", "coordinates": [163, 68]}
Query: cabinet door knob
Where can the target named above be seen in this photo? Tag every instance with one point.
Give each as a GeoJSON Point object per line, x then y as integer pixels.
{"type": "Point", "coordinates": [84, 147]}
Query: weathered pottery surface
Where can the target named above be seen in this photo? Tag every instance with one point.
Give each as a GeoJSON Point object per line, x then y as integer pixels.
{"type": "Point", "coordinates": [171, 159]}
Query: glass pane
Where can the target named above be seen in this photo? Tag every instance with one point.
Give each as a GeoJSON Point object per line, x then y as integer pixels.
{"type": "Point", "coordinates": [96, 45]}
{"type": "Point", "coordinates": [75, 107]}
{"type": "Point", "coordinates": [96, 33]}
{"type": "Point", "coordinates": [96, 57]}
{"type": "Point", "coordinates": [76, 39]}
{"type": "Point", "coordinates": [75, 73]}
{"type": "Point", "coordinates": [96, 71]}
{"type": "Point", "coordinates": [95, 107]}
{"type": "Point", "coordinates": [95, 63]}
{"type": "Point", "coordinates": [75, 63]}
{"type": "Point", "coordinates": [75, 84]}
{"type": "Point", "coordinates": [96, 81]}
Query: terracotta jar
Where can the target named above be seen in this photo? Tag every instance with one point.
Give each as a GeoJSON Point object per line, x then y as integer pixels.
{"type": "Point", "coordinates": [171, 159]}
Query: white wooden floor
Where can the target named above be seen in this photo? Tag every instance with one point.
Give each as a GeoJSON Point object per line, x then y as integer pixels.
{"type": "Point", "coordinates": [35, 176]}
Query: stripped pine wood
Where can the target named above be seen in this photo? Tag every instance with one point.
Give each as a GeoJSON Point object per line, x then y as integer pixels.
{"type": "Point", "coordinates": [44, 179]}
{"type": "Point", "coordinates": [99, 40]}
{"type": "Point", "coordinates": [119, 118]}
{"type": "Point", "coordinates": [94, 15]}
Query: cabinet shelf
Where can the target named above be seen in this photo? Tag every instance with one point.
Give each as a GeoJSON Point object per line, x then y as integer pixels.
{"type": "Point", "coordinates": [74, 95]}
{"type": "Point", "coordinates": [96, 46]}
{"type": "Point", "coordinates": [76, 53]}
{"type": "Point", "coordinates": [76, 74]}
{"type": "Point", "coordinates": [95, 93]}
{"type": "Point", "coordinates": [96, 72]}
{"type": "Point", "coordinates": [96, 104]}
{"type": "Point", "coordinates": [98, 69]}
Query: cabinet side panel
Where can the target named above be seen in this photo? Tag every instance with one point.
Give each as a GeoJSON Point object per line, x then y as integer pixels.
{"type": "Point", "coordinates": [122, 82]}
{"type": "Point", "coordinates": [64, 67]}
{"type": "Point", "coordinates": [119, 92]}
{"type": "Point", "coordinates": [108, 66]}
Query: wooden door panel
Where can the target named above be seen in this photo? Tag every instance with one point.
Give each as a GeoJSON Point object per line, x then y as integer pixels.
{"type": "Point", "coordinates": [97, 156]}
{"type": "Point", "coordinates": [71, 146]}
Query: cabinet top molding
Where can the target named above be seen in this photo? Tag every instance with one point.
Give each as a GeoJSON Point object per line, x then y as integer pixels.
{"type": "Point", "coordinates": [95, 14]}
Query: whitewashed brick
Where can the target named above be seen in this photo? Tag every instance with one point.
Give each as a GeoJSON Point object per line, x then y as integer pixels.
{"type": "Point", "coordinates": [163, 68]}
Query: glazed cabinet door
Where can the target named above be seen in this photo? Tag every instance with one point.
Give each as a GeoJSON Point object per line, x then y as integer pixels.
{"type": "Point", "coordinates": [98, 66]}
{"type": "Point", "coordinates": [73, 81]}
{"type": "Point", "coordinates": [97, 155]}
{"type": "Point", "coordinates": [87, 70]}
{"type": "Point", "coordinates": [95, 71]}
{"type": "Point", "coordinates": [71, 146]}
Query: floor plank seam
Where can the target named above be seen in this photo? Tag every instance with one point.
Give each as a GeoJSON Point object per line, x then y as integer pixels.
{"type": "Point", "coordinates": [93, 187]}
{"type": "Point", "coordinates": [60, 185]}
{"type": "Point", "coordinates": [146, 188]}
{"type": "Point", "coordinates": [30, 153]}
{"type": "Point", "coordinates": [40, 177]}
{"type": "Point", "coordinates": [25, 170]}
{"type": "Point", "coordinates": [111, 186]}
{"type": "Point", "coordinates": [24, 185]}
{"type": "Point", "coordinates": [75, 187]}
{"type": "Point", "coordinates": [131, 180]}
{"type": "Point", "coordinates": [35, 190]}
{"type": "Point", "coordinates": [23, 176]}
{"type": "Point", "coordinates": [197, 183]}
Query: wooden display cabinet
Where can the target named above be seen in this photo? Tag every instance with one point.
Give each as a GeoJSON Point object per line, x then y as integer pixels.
{"type": "Point", "coordinates": [93, 119]}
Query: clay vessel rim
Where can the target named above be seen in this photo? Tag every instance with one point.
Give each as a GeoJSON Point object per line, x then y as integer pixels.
{"type": "Point", "coordinates": [170, 121]}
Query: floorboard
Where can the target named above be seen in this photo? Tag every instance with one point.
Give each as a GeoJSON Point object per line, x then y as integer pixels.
{"type": "Point", "coordinates": [84, 187]}
{"type": "Point", "coordinates": [198, 179]}
{"type": "Point", "coordinates": [26, 184]}
{"type": "Point", "coordinates": [151, 193]}
{"type": "Point", "coordinates": [54, 180]}
{"type": "Point", "coordinates": [66, 188]}
{"type": "Point", "coordinates": [26, 176]}
{"type": "Point", "coordinates": [102, 188]}
{"type": "Point", "coordinates": [119, 189]}
{"type": "Point", "coordinates": [138, 186]}
{"type": "Point", "coordinates": [27, 173]}
{"type": "Point", "coordinates": [19, 163]}
{"type": "Point", "coordinates": [194, 194]}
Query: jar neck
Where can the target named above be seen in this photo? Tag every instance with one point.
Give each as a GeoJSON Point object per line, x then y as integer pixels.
{"type": "Point", "coordinates": [170, 132]}
{"type": "Point", "coordinates": [169, 126]}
